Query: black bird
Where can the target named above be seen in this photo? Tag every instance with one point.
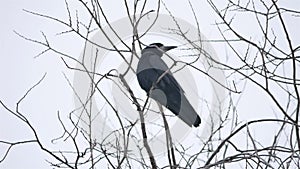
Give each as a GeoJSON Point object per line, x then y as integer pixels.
{"type": "Point", "coordinates": [159, 83]}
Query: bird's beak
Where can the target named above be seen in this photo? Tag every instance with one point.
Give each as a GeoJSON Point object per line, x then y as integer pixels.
{"type": "Point", "coordinates": [166, 48]}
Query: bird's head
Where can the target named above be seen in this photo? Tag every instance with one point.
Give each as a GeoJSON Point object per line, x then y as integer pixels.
{"type": "Point", "coordinates": [158, 48]}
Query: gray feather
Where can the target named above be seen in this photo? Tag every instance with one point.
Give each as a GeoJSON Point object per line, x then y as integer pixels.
{"type": "Point", "coordinates": [153, 73]}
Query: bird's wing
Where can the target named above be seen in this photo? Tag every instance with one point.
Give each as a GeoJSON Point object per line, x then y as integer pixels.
{"type": "Point", "coordinates": [175, 99]}
{"type": "Point", "coordinates": [168, 79]}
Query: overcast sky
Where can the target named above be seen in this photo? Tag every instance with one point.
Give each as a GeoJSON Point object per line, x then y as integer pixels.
{"type": "Point", "coordinates": [19, 70]}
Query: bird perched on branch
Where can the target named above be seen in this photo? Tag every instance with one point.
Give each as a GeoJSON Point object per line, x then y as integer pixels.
{"type": "Point", "coordinates": [156, 79]}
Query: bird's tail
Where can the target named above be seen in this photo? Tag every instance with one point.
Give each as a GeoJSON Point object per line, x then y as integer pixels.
{"type": "Point", "coordinates": [187, 113]}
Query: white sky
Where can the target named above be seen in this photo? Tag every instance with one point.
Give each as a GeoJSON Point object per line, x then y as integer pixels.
{"type": "Point", "coordinates": [19, 71]}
